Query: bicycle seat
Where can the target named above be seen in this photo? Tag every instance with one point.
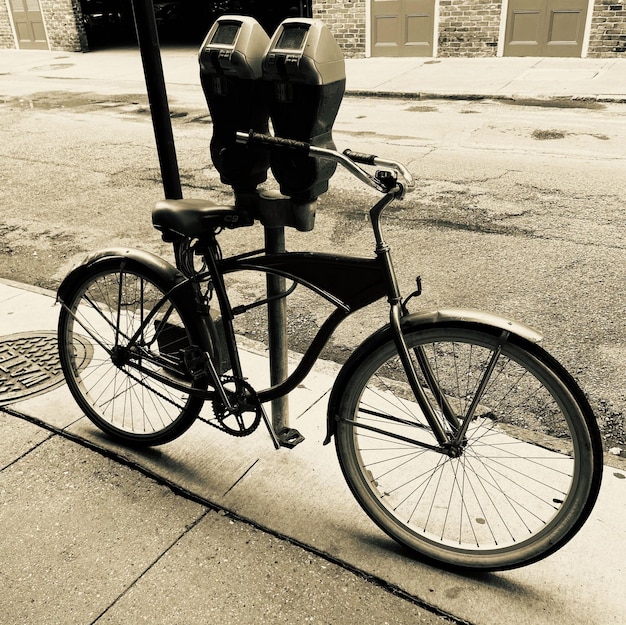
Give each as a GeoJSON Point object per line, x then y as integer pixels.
{"type": "Point", "coordinates": [193, 218]}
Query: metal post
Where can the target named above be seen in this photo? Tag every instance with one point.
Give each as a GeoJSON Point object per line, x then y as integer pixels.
{"type": "Point", "coordinates": [148, 39]}
{"type": "Point", "coordinates": [277, 330]}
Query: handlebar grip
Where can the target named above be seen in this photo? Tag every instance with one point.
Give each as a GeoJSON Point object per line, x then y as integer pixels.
{"type": "Point", "coordinates": [360, 157]}
{"type": "Point", "coordinates": [276, 142]}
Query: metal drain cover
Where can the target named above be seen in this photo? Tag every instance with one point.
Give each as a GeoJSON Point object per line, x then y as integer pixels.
{"type": "Point", "coordinates": [29, 365]}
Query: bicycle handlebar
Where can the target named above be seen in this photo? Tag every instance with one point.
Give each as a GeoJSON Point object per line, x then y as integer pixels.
{"type": "Point", "coordinates": [348, 159]}
{"type": "Point", "coordinates": [273, 142]}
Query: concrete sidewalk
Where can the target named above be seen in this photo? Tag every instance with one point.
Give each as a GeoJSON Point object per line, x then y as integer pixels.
{"type": "Point", "coordinates": [299, 494]}
{"type": "Point", "coordinates": [512, 77]}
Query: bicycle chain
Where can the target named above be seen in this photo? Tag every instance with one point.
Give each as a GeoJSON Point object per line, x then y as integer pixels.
{"type": "Point", "coordinates": [216, 408]}
{"type": "Point", "coordinates": [152, 389]}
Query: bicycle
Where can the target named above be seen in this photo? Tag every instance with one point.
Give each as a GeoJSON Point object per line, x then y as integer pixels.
{"type": "Point", "coordinates": [458, 434]}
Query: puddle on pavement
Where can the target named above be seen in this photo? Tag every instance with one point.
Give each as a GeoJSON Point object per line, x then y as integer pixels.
{"type": "Point", "coordinates": [51, 66]}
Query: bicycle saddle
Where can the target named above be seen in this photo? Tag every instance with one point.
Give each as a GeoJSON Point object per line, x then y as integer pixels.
{"type": "Point", "coordinates": [193, 218]}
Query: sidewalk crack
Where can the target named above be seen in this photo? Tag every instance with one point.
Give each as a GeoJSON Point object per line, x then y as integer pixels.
{"type": "Point", "coordinates": [150, 566]}
{"type": "Point", "coordinates": [12, 413]}
{"type": "Point", "coordinates": [240, 478]}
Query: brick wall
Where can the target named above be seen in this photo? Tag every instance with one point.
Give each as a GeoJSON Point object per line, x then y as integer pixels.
{"type": "Point", "coordinates": [466, 27]}
{"type": "Point", "coordinates": [7, 40]}
{"type": "Point", "coordinates": [64, 25]}
{"type": "Point", "coordinates": [346, 20]}
{"type": "Point", "coordinates": [469, 27]}
{"type": "Point", "coordinates": [608, 29]}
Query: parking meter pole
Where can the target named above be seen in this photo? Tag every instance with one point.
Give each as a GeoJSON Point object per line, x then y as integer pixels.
{"type": "Point", "coordinates": [304, 70]}
{"type": "Point", "coordinates": [277, 330]}
{"type": "Point", "coordinates": [148, 39]}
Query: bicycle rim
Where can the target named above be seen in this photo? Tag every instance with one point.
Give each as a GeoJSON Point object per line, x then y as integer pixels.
{"type": "Point", "coordinates": [528, 470]}
{"type": "Point", "coordinates": [104, 370]}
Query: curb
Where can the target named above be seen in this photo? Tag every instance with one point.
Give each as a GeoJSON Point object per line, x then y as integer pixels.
{"type": "Point", "coordinates": [521, 99]}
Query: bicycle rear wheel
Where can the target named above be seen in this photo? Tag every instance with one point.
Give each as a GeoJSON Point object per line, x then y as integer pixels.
{"type": "Point", "coordinates": [527, 473]}
{"type": "Point", "coordinates": [121, 339]}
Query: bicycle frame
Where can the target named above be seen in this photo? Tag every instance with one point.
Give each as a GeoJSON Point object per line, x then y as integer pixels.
{"type": "Point", "coordinates": [349, 283]}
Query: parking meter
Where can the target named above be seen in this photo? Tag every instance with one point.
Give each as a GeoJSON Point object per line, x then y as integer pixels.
{"type": "Point", "coordinates": [230, 73]}
{"type": "Point", "coordinates": [305, 75]}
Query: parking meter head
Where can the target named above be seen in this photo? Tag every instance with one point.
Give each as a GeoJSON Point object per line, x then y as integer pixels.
{"type": "Point", "coordinates": [304, 70]}
{"type": "Point", "coordinates": [231, 59]}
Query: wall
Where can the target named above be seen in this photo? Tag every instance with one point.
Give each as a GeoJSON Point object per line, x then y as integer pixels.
{"type": "Point", "coordinates": [64, 26]}
{"type": "Point", "coordinates": [466, 27]}
{"type": "Point", "coordinates": [7, 39]}
{"type": "Point", "coordinates": [346, 20]}
{"type": "Point", "coordinates": [608, 29]}
{"type": "Point", "coordinates": [469, 28]}
{"type": "Point", "coordinates": [63, 21]}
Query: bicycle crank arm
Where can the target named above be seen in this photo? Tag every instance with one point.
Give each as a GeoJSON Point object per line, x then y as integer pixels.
{"type": "Point", "coordinates": [270, 428]}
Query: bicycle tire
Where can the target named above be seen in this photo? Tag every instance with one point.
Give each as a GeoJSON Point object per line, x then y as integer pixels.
{"type": "Point", "coordinates": [110, 300]}
{"type": "Point", "coordinates": [527, 477]}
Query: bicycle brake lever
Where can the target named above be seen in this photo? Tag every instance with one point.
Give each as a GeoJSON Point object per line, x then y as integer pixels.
{"type": "Point", "coordinates": [416, 293]}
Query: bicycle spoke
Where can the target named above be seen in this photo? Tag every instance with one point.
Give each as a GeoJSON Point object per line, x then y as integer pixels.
{"type": "Point", "coordinates": [507, 475]}
{"type": "Point", "coordinates": [136, 336]}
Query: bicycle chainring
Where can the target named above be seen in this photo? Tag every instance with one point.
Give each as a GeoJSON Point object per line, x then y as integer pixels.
{"type": "Point", "coordinates": [246, 414]}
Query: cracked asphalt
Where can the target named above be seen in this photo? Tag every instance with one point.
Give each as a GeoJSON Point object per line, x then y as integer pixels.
{"type": "Point", "coordinates": [519, 210]}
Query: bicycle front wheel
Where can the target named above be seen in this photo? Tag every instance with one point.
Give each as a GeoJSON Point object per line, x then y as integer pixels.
{"type": "Point", "coordinates": [517, 486]}
{"type": "Point", "coordinates": [122, 339]}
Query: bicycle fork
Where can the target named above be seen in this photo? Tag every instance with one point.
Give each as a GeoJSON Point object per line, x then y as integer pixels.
{"type": "Point", "coordinates": [448, 441]}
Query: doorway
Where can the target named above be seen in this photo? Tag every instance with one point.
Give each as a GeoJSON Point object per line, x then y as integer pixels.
{"type": "Point", "coordinates": [540, 28]}
{"type": "Point", "coordinates": [403, 27]}
{"type": "Point", "coordinates": [29, 26]}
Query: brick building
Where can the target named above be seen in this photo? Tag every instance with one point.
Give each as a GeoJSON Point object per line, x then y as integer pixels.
{"type": "Point", "coordinates": [471, 28]}
{"type": "Point", "coordinates": [468, 28]}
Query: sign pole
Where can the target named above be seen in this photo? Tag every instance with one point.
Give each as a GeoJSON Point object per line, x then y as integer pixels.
{"type": "Point", "coordinates": [148, 39]}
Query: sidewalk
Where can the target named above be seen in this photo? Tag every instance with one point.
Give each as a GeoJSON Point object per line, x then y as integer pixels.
{"type": "Point", "coordinates": [299, 494]}
{"type": "Point", "coordinates": [511, 77]}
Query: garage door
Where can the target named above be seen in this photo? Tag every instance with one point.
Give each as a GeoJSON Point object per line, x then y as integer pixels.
{"type": "Point", "coordinates": [29, 28]}
{"type": "Point", "coordinates": [545, 28]}
{"type": "Point", "coordinates": [402, 27]}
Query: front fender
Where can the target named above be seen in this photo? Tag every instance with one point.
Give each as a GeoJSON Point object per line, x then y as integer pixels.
{"type": "Point", "coordinates": [452, 317]}
{"type": "Point", "coordinates": [158, 267]}
{"type": "Point", "coordinates": [473, 317]}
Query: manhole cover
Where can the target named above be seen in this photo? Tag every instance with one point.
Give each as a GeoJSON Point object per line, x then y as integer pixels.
{"type": "Point", "coordinates": [29, 365]}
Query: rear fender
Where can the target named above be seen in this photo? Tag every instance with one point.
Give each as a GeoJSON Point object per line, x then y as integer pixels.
{"type": "Point", "coordinates": [163, 273]}
{"type": "Point", "coordinates": [152, 264]}
{"type": "Point", "coordinates": [448, 317]}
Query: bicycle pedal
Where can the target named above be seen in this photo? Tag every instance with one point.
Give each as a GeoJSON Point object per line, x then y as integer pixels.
{"type": "Point", "coordinates": [289, 437]}
{"type": "Point", "coordinates": [195, 362]}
